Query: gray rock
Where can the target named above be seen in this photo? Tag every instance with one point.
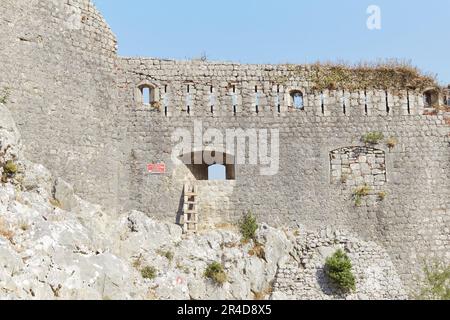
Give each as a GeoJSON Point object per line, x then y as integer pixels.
{"type": "Point", "coordinates": [65, 195]}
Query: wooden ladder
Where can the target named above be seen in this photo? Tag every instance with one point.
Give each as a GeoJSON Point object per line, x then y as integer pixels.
{"type": "Point", "coordinates": [190, 213]}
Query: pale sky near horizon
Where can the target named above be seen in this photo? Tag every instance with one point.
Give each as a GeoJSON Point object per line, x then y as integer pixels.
{"type": "Point", "coordinates": [284, 31]}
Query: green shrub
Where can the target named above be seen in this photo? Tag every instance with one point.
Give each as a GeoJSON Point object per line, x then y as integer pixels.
{"type": "Point", "coordinates": [373, 138]}
{"type": "Point", "coordinates": [4, 95]}
{"type": "Point", "coordinates": [248, 227]}
{"type": "Point", "coordinates": [216, 273]}
{"type": "Point", "coordinates": [338, 268]}
{"type": "Point", "coordinates": [359, 193]}
{"type": "Point", "coordinates": [10, 168]}
{"type": "Point", "coordinates": [148, 272]}
{"type": "Point", "coordinates": [167, 254]}
{"type": "Point", "coordinates": [436, 284]}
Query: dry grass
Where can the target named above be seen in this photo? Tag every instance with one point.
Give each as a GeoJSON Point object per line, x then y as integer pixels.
{"type": "Point", "coordinates": [55, 203]}
{"type": "Point", "coordinates": [263, 295]}
{"type": "Point", "coordinates": [137, 263]}
{"type": "Point", "coordinates": [5, 231]}
{"type": "Point", "coordinates": [169, 255]}
{"type": "Point", "coordinates": [389, 74]}
{"type": "Point", "coordinates": [24, 226]}
{"type": "Point", "coordinates": [215, 271]}
{"type": "Point", "coordinates": [258, 251]}
{"type": "Point", "coordinates": [382, 195]}
{"type": "Point", "coordinates": [391, 143]}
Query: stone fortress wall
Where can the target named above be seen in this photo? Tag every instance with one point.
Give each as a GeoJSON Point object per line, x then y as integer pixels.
{"type": "Point", "coordinates": [411, 222]}
{"type": "Point", "coordinates": [57, 62]}
{"type": "Point", "coordinates": [81, 111]}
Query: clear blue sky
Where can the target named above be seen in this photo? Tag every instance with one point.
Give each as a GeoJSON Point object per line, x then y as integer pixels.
{"type": "Point", "coordinates": [284, 31]}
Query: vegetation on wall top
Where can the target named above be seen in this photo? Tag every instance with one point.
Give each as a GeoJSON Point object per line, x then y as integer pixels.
{"type": "Point", "coordinates": [382, 75]}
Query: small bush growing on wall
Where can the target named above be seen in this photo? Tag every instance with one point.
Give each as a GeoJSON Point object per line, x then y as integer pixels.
{"type": "Point", "coordinates": [4, 95]}
{"type": "Point", "coordinates": [167, 254]}
{"type": "Point", "coordinates": [55, 203]}
{"type": "Point", "coordinates": [359, 193]}
{"type": "Point", "coordinates": [373, 138]}
{"type": "Point", "coordinates": [338, 268]}
{"type": "Point", "coordinates": [391, 143]}
{"type": "Point", "coordinates": [382, 195]}
{"type": "Point", "coordinates": [436, 284]}
{"type": "Point", "coordinates": [156, 106]}
{"type": "Point", "coordinates": [248, 227]}
{"type": "Point", "coordinates": [10, 168]}
{"type": "Point", "coordinates": [148, 272]}
{"type": "Point", "coordinates": [216, 273]}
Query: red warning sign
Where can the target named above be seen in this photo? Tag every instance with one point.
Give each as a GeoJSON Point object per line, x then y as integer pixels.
{"type": "Point", "coordinates": [156, 168]}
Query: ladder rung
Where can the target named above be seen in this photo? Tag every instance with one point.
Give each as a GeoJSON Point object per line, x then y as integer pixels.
{"type": "Point", "coordinates": [192, 222]}
{"type": "Point", "coordinates": [191, 194]}
{"type": "Point", "coordinates": [190, 212]}
{"type": "Point", "coordinates": [190, 202]}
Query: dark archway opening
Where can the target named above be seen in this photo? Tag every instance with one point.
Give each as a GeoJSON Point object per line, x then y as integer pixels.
{"type": "Point", "coordinates": [431, 98]}
{"type": "Point", "coordinates": [220, 169]}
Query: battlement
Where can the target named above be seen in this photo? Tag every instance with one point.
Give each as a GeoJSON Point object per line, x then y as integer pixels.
{"type": "Point", "coordinates": [199, 88]}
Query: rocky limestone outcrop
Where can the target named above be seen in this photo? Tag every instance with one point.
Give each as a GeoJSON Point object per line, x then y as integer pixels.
{"type": "Point", "coordinates": [55, 245]}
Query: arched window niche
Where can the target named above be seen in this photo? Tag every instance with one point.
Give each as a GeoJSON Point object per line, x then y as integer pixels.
{"type": "Point", "coordinates": [431, 98]}
{"type": "Point", "coordinates": [296, 100]}
{"type": "Point", "coordinates": [147, 95]}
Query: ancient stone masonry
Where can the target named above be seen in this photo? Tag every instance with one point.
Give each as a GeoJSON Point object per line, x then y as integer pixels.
{"type": "Point", "coordinates": [97, 120]}
{"type": "Point", "coordinates": [303, 277]}
{"type": "Point", "coordinates": [57, 61]}
{"type": "Point", "coordinates": [356, 166]}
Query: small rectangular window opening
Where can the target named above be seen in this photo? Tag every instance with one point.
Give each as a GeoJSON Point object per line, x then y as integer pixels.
{"type": "Point", "coordinates": [344, 107]}
{"type": "Point", "coordinates": [297, 100]}
{"type": "Point", "coordinates": [146, 95]}
{"type": "Point", "coordinates": [388, 109]}
{"type": "Point", "coordinates": [188, 110]}
{"type": "Point", "coordinates": [322, 102]}
{"type": "Point", "coordinates": [234, 110]}
{"type": "Point", "coordinates": [366, 107]}
{"type": "Point", "coordinates": [408, 103]}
